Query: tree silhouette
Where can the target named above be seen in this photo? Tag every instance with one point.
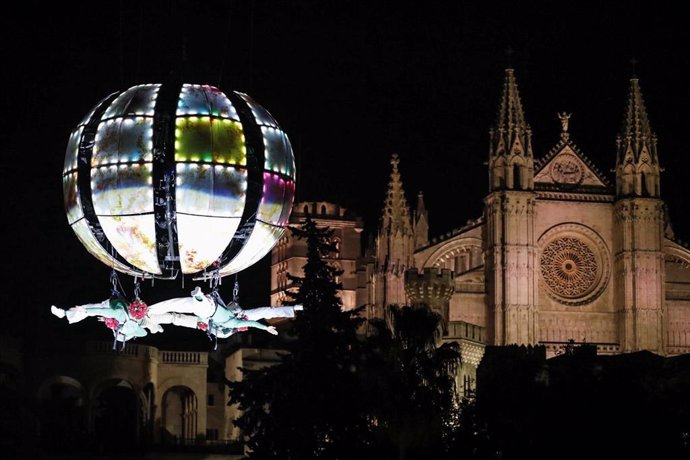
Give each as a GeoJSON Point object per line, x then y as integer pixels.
{"type": "Point", "coordinates": [308, 405]}
{"type": "Point", "coordinates": [339, 396]}
{"type": "Point", "coordinates": [413, 383]}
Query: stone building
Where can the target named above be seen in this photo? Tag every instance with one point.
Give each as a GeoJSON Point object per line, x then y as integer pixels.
{"type": "Point", "coordinates": [78, 395]}
{"type": "Point", "coordinates": [560, 252]}
{"type": "Point", "coordinates": [290, 253]}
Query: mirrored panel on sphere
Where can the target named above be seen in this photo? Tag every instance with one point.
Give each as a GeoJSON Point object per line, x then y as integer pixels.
{"type": "Point", "coordinates": [123, 189]}
{"type": "Point", "coordinates": [136, 139]}
{"type": "Point", "coordinates": [134, 238]}
{"type": "Point", "coordinates": [139, 100]}
{"type": "Point", "coordinates": [273, 198]}
{"type": "Point", "coordinates": [81, 229]}
{"type": "Point", "coordinates": [73, 150]}
{"type": "Point", "coordinates": [202, 240]}
{"type": "Point", "coordinates": [259, 243]}
{"type": "Point", "coordinates": [220, 104]}
{"type": "Point", "coordinates": [193, 139]}
{"type": "Point", "coordinates": [288, 200]}
{"type": "Point", "coordinates": [210, 190]}
{"type": "Point", "coordinates": [71, 197]}
{"type": "Point", "coordinates": [107, 142]}
{"type": "Point", "coordinates": [228, 142]}
{"type": "Point", "coordinates": [143, 100]}
{"type": "Point", "coordinates": [192, 101]}
{"type": "Point", "coordinates": [278, 153]}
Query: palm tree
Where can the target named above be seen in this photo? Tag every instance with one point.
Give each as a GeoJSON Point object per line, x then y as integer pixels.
{"type": "Point", "coordinates": [414, 399]}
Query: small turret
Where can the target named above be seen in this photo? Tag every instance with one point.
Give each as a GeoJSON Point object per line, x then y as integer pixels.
{"type": "Point", "coordinates": [431, 288]}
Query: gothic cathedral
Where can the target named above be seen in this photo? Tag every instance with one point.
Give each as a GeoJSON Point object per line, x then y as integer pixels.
{"type": "Point", "coordinates": [560, 254]}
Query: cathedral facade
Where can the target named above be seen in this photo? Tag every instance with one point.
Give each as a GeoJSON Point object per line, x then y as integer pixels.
{"type": "Point", "coordinates": [560, 254]}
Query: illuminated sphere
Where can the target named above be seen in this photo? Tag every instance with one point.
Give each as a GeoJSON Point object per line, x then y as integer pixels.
{"type": "Point", "coordinates": [164, 179]}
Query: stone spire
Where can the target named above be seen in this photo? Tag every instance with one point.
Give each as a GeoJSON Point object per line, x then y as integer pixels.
{"type": "Point", "coordinates": [394, 244]}
{"type": "Point", "coordinates": [421, 223]}
{"type": "Point", "coordinates": [511, 163]}
{"type": "Point", "coordinates": [637, 160]}
{"type": "Point", "coordinates": [396, 212]}
{"type": "Point", "coordinates": [511, 117]}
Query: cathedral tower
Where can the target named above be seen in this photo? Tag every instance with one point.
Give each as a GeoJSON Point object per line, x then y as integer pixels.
{"type": "Point", "coordinates": [395, 244]}
{"type": "Point", "coordinates": [509, 231]}
{"type": "Point", "coordinates": [638, 236]}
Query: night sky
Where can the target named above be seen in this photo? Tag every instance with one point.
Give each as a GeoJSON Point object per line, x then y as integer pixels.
{"type": "Point", "coordinates": [351, 82]}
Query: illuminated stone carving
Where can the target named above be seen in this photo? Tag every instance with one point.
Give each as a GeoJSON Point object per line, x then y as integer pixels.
{"type": "Point", "coordinates": [569, 267]}
{"type": "Point", "coordinates": [566, 170]}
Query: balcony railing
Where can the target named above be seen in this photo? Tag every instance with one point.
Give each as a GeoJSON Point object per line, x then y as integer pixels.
{"type": "Point", "coordinates": [183, 357]}
{"type": "Point", "coordinates": [107, 348]}
{"type": "Point", "coordinates": [463, 330]}
{"type": "Point", "coordinates": [191, 358]}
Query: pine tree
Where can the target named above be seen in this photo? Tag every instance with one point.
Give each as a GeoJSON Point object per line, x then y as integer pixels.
{"type": "Point", "coordinates": [308, 405]}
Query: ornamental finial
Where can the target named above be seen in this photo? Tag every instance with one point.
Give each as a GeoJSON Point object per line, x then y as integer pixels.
{"type": "Point", "coordinates": [395, 160]}
{"type": "Point", "coordinates": [564, 117]}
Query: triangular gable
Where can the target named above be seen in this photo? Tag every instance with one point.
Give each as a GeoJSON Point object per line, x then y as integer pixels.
{"type": "Point", "coordinates": [566, 166]}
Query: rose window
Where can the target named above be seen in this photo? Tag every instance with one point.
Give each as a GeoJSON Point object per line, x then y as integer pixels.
{"type": "Point", "coordinates": [569, 267]}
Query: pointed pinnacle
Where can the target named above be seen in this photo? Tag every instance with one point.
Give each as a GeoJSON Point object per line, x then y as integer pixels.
{"type": "Point", "coordinates": [510, 113]}
{"type": "Point", "coordinates": [636, 135]}
{"type": "Point", "coordinates": [636, 122]}
{"type": "Point", "coordinates": [395, 211]}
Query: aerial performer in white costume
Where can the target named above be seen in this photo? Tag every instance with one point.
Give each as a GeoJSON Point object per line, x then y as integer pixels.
{"type": "Point", "coordinates": [126, 320]}
{"type": "Point", "coordinates": [211, 314]}
{"type": "Point", "coordinates": [198, 311]}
